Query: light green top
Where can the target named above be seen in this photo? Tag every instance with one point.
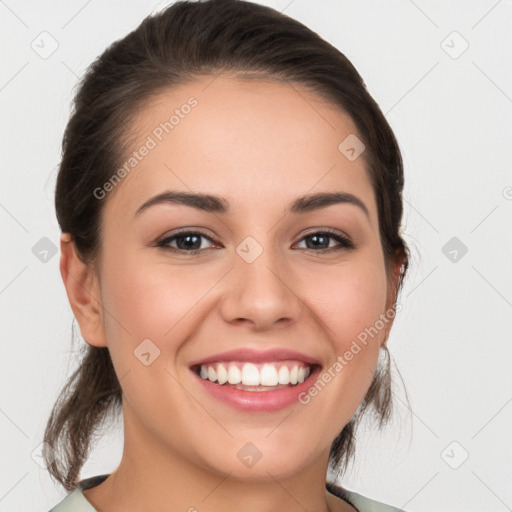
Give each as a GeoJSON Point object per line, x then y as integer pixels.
{"type": "Point", "coordinates": [75, 501]}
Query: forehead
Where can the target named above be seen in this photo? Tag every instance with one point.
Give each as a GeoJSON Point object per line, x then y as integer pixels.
{"type": "Point", "coordinates": [256, 142]}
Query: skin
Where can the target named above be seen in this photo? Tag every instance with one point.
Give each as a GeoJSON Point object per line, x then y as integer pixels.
{"type": "Point", "coordinates": [260, 144]}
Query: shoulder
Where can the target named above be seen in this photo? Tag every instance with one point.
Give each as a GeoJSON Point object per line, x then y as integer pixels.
{"type": "Point", "coordinates": [75, 501]}
{"type": "Point", "coordinates": [360, 502]}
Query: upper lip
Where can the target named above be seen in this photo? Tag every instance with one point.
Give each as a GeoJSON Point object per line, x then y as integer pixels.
{"type": "Point", "coordinates": [256, 356]}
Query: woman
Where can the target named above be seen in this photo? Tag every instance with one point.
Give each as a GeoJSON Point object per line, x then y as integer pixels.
{"type": "Point", "coordinates": [230, 204]}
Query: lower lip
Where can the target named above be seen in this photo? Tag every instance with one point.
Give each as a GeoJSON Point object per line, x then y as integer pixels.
{"type": "Point", "coordinates": [258, 401]}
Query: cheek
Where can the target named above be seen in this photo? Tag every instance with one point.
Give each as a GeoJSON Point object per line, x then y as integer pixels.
{"type": "Point", "coordinates": [350, 301]}
{"type": "Point", "coordinates": [150, 312]}
{"type": "Point", "coordinates": [147, 300]}
{"type": "Point", "coordinates": [351, 312]}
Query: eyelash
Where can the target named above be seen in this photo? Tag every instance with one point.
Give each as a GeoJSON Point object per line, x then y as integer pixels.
{"type": "Point", "coordinates": [344, 242]}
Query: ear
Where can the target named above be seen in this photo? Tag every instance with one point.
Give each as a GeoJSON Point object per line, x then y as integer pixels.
{"type": "Point", "coordinates": [82, 287]}
{"type": "Point", "coordinates": [393, 281]}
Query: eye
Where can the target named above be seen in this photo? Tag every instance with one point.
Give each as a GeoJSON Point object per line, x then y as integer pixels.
{"type": "Point", "coordinates": [189, 242]}
{"type": "Point", "coordinates": [320, 239]}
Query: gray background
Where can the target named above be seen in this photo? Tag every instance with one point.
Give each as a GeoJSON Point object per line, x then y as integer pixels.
{"type": "Point", "coordinates": [451, 111]}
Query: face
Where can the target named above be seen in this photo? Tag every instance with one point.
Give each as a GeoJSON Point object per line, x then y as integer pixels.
{"type": "Point", "coordinates": [180, 284]}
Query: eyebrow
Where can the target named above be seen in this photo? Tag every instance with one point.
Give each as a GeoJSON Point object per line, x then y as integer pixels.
{"type": "Point", "coordinates": [217, 204]}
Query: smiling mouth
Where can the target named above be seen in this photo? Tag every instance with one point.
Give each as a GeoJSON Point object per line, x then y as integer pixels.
{"type": "Point", "coordinates": [270, 376]}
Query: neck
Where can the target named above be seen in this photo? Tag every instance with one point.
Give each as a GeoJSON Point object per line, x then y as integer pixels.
{"type": "Point", "coordinates": [152, 476]}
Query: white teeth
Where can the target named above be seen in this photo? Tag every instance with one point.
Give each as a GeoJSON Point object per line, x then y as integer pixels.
{"type": "Point", "coordinates": [250, 375]}
{"type": "Point", "coordinates": [222, 374]}
{"type": "Point", "coordinates": [284, 375]}
{"type": "Point", "coordinates": [234, 374]}
{"type": "Point", "coordinates": [270, 374]}
{"type": "Point", "coordinates": [212, 374]}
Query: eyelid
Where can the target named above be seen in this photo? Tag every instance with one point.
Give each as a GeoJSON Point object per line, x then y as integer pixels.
{"type": "Point", "coordinates": [183, 232]}
{"type": "Point", "coordinates": [330, 231]}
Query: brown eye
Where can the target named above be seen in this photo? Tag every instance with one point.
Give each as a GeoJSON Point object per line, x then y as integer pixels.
{"type": "Point", "coordinates": [321, 240]}
{"type": "Point", "coordinates": [186, 242]}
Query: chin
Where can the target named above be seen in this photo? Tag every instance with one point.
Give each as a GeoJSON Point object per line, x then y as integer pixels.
{"type": "Point", "coordinates": [250, 463]}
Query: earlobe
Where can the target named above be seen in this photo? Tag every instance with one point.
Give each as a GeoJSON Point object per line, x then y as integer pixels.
{"type": "Point", "coordinates": [81, 283]}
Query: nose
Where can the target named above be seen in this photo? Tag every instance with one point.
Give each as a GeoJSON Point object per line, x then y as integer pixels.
{"type": "Point", "coordinates": [261, 293]}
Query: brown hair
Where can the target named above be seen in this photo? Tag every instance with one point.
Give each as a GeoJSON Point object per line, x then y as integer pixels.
{"type": "Point", "coordinates": [183, 42]}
